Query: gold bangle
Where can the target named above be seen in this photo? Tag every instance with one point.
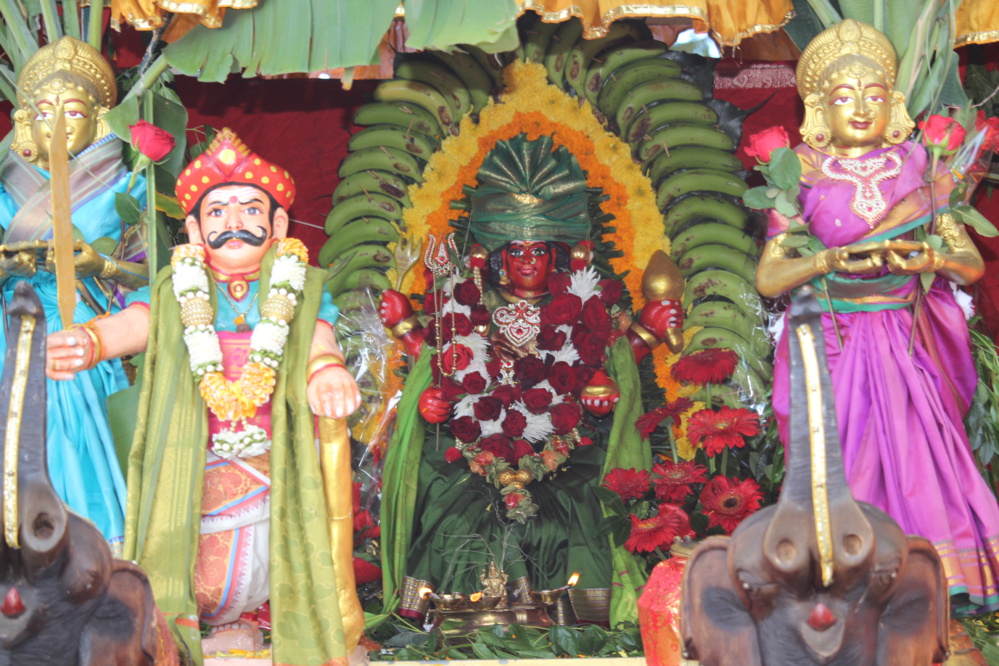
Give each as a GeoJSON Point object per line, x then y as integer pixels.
{"type": "Point", "coordinates": [109, 268]}
{"type": "Point", "coordinates": [822, 262]}
{"type": "Point", "coordinates": [405, 326]}
{"type": "Point", "coordinates": [644, 334]}
{"type": "Point", "coordinates": [96, 348]}
{"type": "Point", "coordinates": [320, 363]}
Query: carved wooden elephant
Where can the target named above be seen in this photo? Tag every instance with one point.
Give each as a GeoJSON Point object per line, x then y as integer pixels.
{"type": "Point", "coordinates": [819, 578]}
{"type": "Point", "coordinates": [66, 600]}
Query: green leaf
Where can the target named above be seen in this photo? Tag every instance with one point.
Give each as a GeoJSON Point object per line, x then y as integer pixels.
{"type": "Point", "coordinates": [169, 206]}
{"type": "Point", "coordinates": [756, 198]}
{"type": "Point", "coordinates": [795, 241]}
{"type": "Point", "coordinates": [564, 640]}
{"type": "Point", "coordinates": [975, 220]}
{"type": "Point", "coordinates": [784, 206]}
{"type": "Point", "coordinates": [926, 279]}
{"type": "Point", "coordinates": [957, 194]}
{"type": "Point", "coordinates": [935, 241]}
{"type": "Point", "coordinates": [611, 501]}
{"type": "Point", "coordinates": [172, 117]}
{"type": "Point", "coordinates": [121, 117]}
{"type": "Point", "coordinates": [785, 168]}
{"type": "Point", "coordinates": [127, 207]}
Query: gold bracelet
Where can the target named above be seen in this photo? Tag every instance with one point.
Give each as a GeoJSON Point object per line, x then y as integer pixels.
{"type": "Point", "coordinates": [822, 262]}
{"type": "Point", "coordinates": [96, 348]}
{"type": "Point", "coordinates": [405, 326]}
{"type": "Point", "coordinates": [320, 363]}
{"type": "Point", "coordinates": [644, 334]}
{"type": "Point", "coordinates": [109, 268]}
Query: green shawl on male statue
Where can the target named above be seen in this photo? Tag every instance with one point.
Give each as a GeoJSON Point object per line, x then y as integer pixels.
{"type": "Point", "coordinates": [403, 488]}
{"type": "Point", "coordinates": [166, 472]}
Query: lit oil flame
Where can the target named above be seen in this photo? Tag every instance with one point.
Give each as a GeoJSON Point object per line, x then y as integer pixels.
{"type": "Point", "coordinates": [573, 579]}
{"type": "Point", "coordinates": [475, 596]}
{"type": "Point", "coordinates": [424, 592]}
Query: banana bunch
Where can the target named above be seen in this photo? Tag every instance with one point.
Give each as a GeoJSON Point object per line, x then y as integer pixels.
{"type": "Point", "coordinates": [645, 94]}
{"type": "Point", "coordinates": [404, 125]}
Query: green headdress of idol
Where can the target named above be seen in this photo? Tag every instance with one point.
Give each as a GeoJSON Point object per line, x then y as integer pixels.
{"type": "Point", "coordinates": [527, 191]}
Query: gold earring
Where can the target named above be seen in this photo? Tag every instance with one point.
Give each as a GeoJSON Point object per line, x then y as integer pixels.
{"type": "Point", "coordinates": [504, 279]}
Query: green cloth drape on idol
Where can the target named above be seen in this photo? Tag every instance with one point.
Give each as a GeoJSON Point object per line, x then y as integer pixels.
{"type": "Point", "coordinates": [166, 472]}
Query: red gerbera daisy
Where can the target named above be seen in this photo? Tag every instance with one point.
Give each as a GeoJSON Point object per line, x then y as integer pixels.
{"type": "Point", "coordinates": [627, 483]}
{"type": "Point", "coordinates": [725, 428]}
{"type": "Point", "coordinates": [728, 501]}
{"type": "Point", "coordinates": [709, 366]}
{"type": "Point", "coordinates": [647, 423]}
{"type": "Point", "coordinates": [659, 530]}
{"type": "Point", "coordinates": [676, 479]}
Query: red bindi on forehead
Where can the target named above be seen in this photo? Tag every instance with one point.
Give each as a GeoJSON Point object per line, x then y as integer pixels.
{"type": "Point", "coordinates": [233, 199]}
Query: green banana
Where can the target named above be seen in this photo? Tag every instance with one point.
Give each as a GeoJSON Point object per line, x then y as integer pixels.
{"type": "Point", "coordinates": [371, 181]}
{"type": "Point", "coordinates": [714, 255]}
{"type": "Point", "coordinates": [694, 207]}
{"type": "Point", "coordinates": [417, 92]}
{"type": "Point", "coordinates": [725, 284]}
{"type": "Point", "coordinates": [539, 34]}
{"type": "Point", "coordinates": [437, 75]}
{"type": "Point", "coordinates": [668, 137]}
{"type": "Point", "coordinates": [698, 180]}
{"type": "Point", "coordinates": [730, 316]}
{"type": "Point", "coordinates": [365, 279]}
{"type": "Point", "coordinates": [614, 58]}
{"type": "Point", "coordinates": [563, 40]}
{"type": "Point", "coordinates": [367, 230]}
{"type": "Point", "coordinates": [720, 338]}
{"type": "Point", "coordinates": [366, 255]}
{"type": "Point", "coordinates": [362, 206]}
{"type": "Point", "coordinates": [750, 382]}
{"type": "Point", "coordinates": [629, 77]}
{"type": "Point", "coordinates": [418, 145]}
{"type": "Point", "coordinates": [348, 301]}
{"type": "Point", "coordinates": [651, 118]}
{"type": "Point", "coordinates": [382, 158]}
{"type": "Point", "coordinates": [491, 63]}
{"type": "Point", "coordinates": [478, 83]}
{"type": "Point", "coordinates": [585, 49]}
{"type": "Point", "coordinates": [691, 157]}
{"type": "Point", "coordinates": [713, 233]}
{"type": "Point", "coordinates": [654, 92]}
{"type": "Point", "coordinates": [408, 116]}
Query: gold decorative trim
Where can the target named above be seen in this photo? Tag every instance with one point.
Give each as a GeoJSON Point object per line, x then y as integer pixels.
{"type": "Point", "coordinates": [15, 411]}
{"type": "Point", "coordinates": [817, 434]}
{"type": "Point", "coordinates": [595, 30]}
{"type": "Point", "coordinates": [983, 37]}
{"type": "Point", "coordinates": [752, 30]}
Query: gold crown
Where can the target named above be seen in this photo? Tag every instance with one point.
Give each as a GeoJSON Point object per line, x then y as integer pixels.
{"type": "Point", "coordinates": [69, 55]}
{"type": "Point", "coordinates": [846, 38]}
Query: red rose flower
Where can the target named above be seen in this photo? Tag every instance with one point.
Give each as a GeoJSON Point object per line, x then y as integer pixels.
{"type": "Point", "coordinates": [363, 520]}
{"type": "Point", "coordinates": [763, 144]}
{"type": "Point", "coordinates": [725, 428]}
{"type": "Point", "coordinates": [537, 400]}
{"type": "Point", "coordinates": [647, 423]}
{"type": "Point", "coordinates": [942, 135]}
{"type": "Point", "coordinates": [564, 309]}
{"type": "Point", "coordinates": [657, 531]}
{"type": "Point", "coordinates": [558, 283]}
{"type": "Point", "coordinates": [493, 367]}
{"type": "Point", "coordinates": [708, 366]}
{"type": "Point", "coordinates": [595, 316]}
{"type": "Point", "coordinates": [454, 454]}
{"type": "Point", "coordinates": [487, 408]}
{"type": "Point", "coordinates": [430, 302]}
{"type": "Point", "coordinates": [513, 499]}
{"type": "Point", "coordinates": [454, 324]}
{"type": "Point", "coordinates": [565, 417]}
{"type": "Point", "coordinates": [480, 316]}
{"type": "Point", "coordinates": [590, 346]}
{"type": "Point", "coordinates": [151, 141]}
{"type": "Point", "coordinates": [529, 370]}
{"type": "Point", "coordinates": [467, 293]}
{"type": "Point", "coordinates": [473, 383]}
{"type": "Point", "coordinates": [484, 458]}
{"type": "Point", "coordinates": [498, 445]}
{"type": "Point", "coordinates": [674, 479]}
{"type": "Point", "coordinates": [563, 378]}
{"type": "Point", "coordinates": [991, 128]}
{"type": "Point", "coordinates": [585, 441]}
{"type": "Point", "coordinates": [455, 357]}
{"type": "Point", "coordinates": [513, 424]}
{"type": "Point", "coordinates": [465, 429]}
{"type": "Point", "coordinates": [628, 483]}
{"type": "Point", "coordinates": [366, 572]}
{"type": "Point", "coordinates": [521, 448]}
{"type": "Point", "coordinates": [550, 339]}
{"type": "Point", "coordinates": [506, 394]}
{"type": "Point", "coordinates": [727, 502]}
{"type": "Point", "coordinates": [610, 291]}
{"type": "Point", "coordinates": [451, 390]}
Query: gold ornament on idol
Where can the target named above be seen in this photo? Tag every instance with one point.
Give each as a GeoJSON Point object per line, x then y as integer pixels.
{"type": "Point", "coordinates": [238, 400]}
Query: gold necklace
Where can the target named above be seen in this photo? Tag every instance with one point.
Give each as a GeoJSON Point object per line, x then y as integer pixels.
{"type": "Point", "coordinates": [241, 325]}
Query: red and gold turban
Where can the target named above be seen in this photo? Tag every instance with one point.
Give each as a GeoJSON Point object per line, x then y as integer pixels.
{"type": "Point", "coordinates": [227, 161]}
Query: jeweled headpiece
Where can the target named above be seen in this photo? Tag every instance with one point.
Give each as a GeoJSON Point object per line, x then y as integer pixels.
{"type": "Point", "coordinates": [68, 55]}
{"type": "Point", "coordinates": [527, 191]}
{"type": "Point", "coordinates": [846, 38]}
{"type": "Point", "coordinates": [227, 161]}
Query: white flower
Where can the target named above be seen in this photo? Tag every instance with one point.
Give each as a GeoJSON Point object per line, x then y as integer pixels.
{"type": "Point", "coordinates": [203, 347]}
{"type": "Point", "coordinates": [539, 426]}
{"type": "Point", "coordinates": [249, 442]}
{"type": "Point", "coordinates": [187, 278]}
{"type": "Point", "coordinates": [584, 283]}
{"type": "Point", "coordinates": [289, 268]}
{"type": "Point", "coordinates": [270, 337]}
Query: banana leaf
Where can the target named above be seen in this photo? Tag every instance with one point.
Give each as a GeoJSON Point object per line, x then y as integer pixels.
{"type": "Point", "coordinates": [440, 24]}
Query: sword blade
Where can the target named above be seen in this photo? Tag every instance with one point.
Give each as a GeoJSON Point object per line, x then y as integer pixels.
{"type": "Point", "coordinates": [62, 222]}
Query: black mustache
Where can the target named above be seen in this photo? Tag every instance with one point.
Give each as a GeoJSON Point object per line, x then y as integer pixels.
{"type": "Point", "coordinates": [240, 234]}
